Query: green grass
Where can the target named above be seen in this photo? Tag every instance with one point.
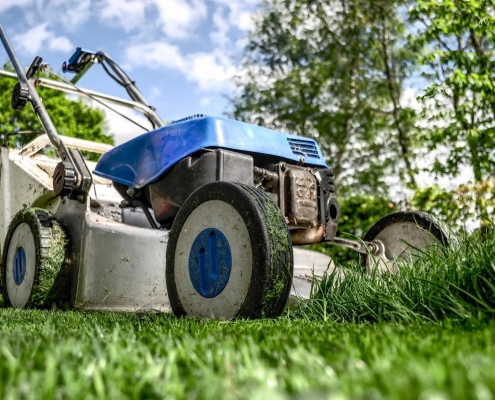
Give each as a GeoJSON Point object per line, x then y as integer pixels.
{"type": "Point", "coordinates": [426, 333]}
{"type": "Point", "coordinates": [47, 354]}
{"type": "Point", "coordinates": [456, 283]}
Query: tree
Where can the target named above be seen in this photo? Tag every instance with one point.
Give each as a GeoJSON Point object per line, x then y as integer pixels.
{"type": "Point", "coordinates": [71, 117]}
{"type": "Point", "coordinates": [456, 207]}
{"type": "Point", "coordinates": [334, 71]}
{"type": "Point", "coordinates": [458, 43]}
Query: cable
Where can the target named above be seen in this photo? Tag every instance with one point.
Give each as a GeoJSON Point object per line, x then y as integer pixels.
{"type": "Point", "coordinates": [116, 79]}
{"type": "Point", "coordinates": [97, 100]}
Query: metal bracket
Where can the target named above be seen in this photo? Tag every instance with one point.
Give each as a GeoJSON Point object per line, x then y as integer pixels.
{"type": "Point", "coordinates": [84, 178]}
{"type": "Point", "coordinates": [80, 62]}
{"type": "Point", "coordinates": [358, 245]}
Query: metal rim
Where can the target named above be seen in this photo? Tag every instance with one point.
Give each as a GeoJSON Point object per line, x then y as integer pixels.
{"type": "Point", "coordinates": [20, 268]}
{"type": "Point", "coordinates": [405, 239]}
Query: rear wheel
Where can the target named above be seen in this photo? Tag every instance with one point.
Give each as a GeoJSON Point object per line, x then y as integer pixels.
{"type": "Point", "coordinates": [33, 261]}
{"type": "Point", "coordinates": [403, 235]}
{"type": "Point", "coordinates": [229, 254]}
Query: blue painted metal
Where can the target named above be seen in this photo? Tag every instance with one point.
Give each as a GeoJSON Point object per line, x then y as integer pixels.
{"type": "Point", "coordinates": [210, 262]}
{"type": "Point", "coordinates": [19, 265]}
{"type": "Point", "coordinates": [145, 158]}
{"type": "Point", "coordinates": [77, 60]}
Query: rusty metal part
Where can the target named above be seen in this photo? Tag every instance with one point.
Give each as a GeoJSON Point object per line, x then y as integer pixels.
{"type": "Point", "coordinates": [332, 215]}
{"type": "Point", "coordinates": [303, 207]}
{"type": "Point", "coordinates": [307, 236]}
{"type": "Point", "coordinates": [298, 196]}
{"type": "Point", "coordinates": [358, 245]}
{"type": "Point", "coordinates": [267, 179]}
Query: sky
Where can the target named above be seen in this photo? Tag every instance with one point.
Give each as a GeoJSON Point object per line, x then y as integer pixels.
{"type": "Point", "coordinates": [182, 54]}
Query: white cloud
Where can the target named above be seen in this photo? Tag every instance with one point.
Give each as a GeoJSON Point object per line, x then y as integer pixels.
{"type": "Point", "coordinates": [222, 26]}
{"type": "Point", "coordinates": [156, 92]}
{"type": "Point", "coordinates": [205, 101]}
{"type": "Point", "coordinates": [61, 44]}
{"type": "Point", "coordinates": [7, 4]}
{"type": "Point", "coordinates": [126, 14]}
{"type": "Point", "coordinates": [75, 12]}
{"type": "Point", "coordinates": [178, 18]}
{"type": "Point", "coordinates": [240, 12]}
{"type": "Point", "coordinates": [34, 39]}
{"type": "Point", "coordinates": [211, 71]}
{"type": "Point", "coordinates": [155, 55]}
{"type": "Point", "coordinates": [69, 14]}
{"type": "Point", "coordinates": [122, 129]}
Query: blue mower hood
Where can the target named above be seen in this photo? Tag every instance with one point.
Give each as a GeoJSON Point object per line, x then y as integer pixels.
{"type": "Point", "coordinates": [145, 158]}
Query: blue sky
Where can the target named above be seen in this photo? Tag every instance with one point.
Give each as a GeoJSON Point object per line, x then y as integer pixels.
{"type": "Point", "coordinates": [181, 53]}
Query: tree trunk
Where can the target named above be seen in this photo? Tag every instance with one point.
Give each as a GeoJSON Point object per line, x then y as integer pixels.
{"type": "Point", "coordinates": [395, 98]}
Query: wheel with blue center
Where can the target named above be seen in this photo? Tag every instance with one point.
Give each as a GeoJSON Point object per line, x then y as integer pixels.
{"type": "Point", "coordinates": [33, 261]}
{"type": "Point", "coordinates": [229, 254]}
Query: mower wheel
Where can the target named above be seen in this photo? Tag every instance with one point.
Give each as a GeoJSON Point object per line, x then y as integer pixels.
{"type": "Point", "coordinates": [403, 235]}
{"type": "Point", "coordinates": [229, 254]}
{"type": "Point", "coordinates": [33, 260]}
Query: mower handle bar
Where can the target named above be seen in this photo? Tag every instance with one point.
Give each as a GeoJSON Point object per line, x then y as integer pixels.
{"type": "Point", "coordinates": [35, 100]}
{"type": "Point", "coordinates": [64, 87]}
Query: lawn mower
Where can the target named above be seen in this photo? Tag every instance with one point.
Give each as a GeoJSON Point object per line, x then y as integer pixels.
{"type": "Point", "coordinates": [201, 216]}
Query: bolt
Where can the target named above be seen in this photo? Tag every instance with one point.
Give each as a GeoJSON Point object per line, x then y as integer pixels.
{"type": "Point", "coordinates": [374, 248]}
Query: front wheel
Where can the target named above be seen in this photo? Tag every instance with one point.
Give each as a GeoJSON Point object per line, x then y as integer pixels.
{"type": "Point", "coordinates": [229, 254]}
{"type": "Point", "coordinates": [33, 261]}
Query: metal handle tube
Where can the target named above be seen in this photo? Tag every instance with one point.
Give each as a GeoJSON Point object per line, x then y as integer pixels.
{"type": "Point", "coordinates": [35, 100]}
{"type": "Point", "coordinates": [133, 91]}
{"type": "Point", "coordinates": [63, 87]}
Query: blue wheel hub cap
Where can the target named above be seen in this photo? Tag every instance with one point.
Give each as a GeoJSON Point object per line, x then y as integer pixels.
{"type": "Point", "coordinates": [210, 262]}
{"type": "Point", "coordinates": [19, 265]}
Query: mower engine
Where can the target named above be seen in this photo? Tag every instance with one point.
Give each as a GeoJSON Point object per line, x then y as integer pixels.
{"type": "Point", "coordinates": [287, 168]}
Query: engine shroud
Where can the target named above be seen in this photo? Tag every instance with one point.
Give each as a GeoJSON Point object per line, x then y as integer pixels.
{"type": "Point", "coordinates": [146, 158]}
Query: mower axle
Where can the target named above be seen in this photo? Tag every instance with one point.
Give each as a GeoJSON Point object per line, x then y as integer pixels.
{"type": "Point", "coordinates": [359, 246]}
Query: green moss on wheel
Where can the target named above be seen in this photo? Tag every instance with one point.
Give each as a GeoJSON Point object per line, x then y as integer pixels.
{"type": "Point", "coordinates": [49, 286]}
{"type": "Point", "coordinates": [276, 226]}
{"type": "Point", "coordinates": [280, 274]}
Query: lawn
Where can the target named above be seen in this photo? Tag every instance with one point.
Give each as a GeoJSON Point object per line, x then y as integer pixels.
{"type": "Point", "coordinates": [426, 333]}
{"type": "Point", "coordinates": [53, 354]}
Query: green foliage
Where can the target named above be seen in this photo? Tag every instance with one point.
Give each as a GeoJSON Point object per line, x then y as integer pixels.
{"type": "Point", "coordinates": [457, 207]}
{"type": "Point", "coordinates": [71, 117]}
{"type": "Point", "coordinates": [445, 205]}
{"type": "Point", "coordinates": [457, 40]}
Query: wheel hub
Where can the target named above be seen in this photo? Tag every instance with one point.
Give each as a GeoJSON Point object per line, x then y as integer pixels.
{"type": "Point", "coordinates": [19, 265]}
{"type": "Point", "coordinates": [210, 262]}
